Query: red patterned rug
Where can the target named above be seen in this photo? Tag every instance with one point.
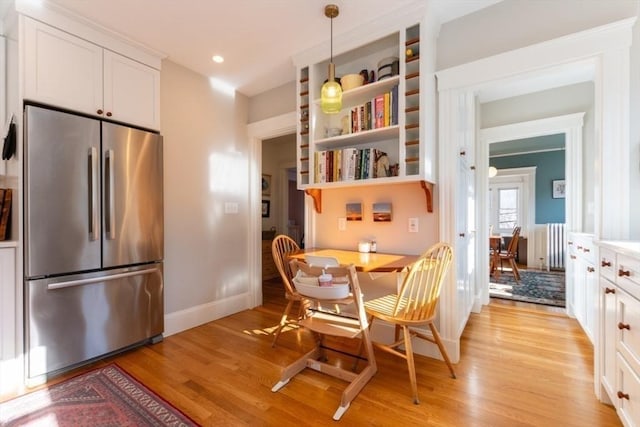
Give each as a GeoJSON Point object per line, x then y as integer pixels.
{"type": "Point", "coordinates": [105, 396]}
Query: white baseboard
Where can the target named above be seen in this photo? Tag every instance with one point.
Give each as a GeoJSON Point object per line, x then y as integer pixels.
{"type": "Point", "coordinates": [179, 321]}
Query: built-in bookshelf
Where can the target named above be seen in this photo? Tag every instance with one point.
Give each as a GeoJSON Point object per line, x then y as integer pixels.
{"type": "Point", "coordinates": [379, 135]}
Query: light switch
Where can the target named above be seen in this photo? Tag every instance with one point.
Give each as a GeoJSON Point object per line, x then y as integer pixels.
{"type": "Point", "coordinates": [342, 224]}
{"type": "Point", "coordinates": [413, 225]}
{"type": "Point", "coordinates": [230, 208]}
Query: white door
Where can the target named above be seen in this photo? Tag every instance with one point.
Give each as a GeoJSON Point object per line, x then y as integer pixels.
{"type": "Point", "coordinates": [465, 244]}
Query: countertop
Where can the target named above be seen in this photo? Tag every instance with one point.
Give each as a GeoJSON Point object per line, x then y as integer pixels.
{"type": "Point", "coordinates": [627, 247]}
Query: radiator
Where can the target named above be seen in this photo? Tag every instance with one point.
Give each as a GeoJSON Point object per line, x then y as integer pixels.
{"type": "Point", "coordinates": [556, 246]}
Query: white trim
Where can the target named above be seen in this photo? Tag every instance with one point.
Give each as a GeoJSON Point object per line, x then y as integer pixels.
{"type": "Point", "coordinates": [191, 317]}
{"type": "Point", "coordinates": [257, 132]}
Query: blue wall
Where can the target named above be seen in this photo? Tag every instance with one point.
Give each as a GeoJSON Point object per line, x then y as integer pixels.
{"type": "Point", "coordinates": [549, 167]}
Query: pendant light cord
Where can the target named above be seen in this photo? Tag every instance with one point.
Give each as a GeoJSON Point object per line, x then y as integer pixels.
{"type": "Point", "coordinates": [331, 39]}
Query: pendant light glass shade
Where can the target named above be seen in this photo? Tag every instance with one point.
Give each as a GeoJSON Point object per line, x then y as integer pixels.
{"type": "Point", "coordinates": [492, 171]}
{"type": "Point", "coordinates": [331, 94]}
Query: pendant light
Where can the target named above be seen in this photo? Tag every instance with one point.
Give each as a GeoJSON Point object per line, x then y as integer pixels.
{"type": "Point", "coordinates": [331, 92]}
{"type": "Point", "coordinates": [492, 171]}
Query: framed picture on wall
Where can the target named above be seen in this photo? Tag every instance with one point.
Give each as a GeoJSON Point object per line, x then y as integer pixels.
{"type": "Point", "coordinates": [558, 188]}
{"type": "Point", "coordinates": [266, 185]}
{"type": "Point", "coordinates": [266, 204]}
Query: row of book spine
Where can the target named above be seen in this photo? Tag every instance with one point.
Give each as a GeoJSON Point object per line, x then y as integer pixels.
{"type": "Point", "coordinates": [349, 164]}
{"type": "Point", "coordinates": [381, 111]}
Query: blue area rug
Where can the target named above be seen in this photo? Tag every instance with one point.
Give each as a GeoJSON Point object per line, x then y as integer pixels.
{"type": "Point", "coordinates": [538, 287]}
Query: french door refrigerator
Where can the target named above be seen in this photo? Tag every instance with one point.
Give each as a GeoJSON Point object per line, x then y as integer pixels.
{"type": "Point", "coordinates": [93, 229]}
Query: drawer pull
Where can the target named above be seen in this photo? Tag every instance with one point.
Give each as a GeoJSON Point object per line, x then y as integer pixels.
{"type": "Point", "coordinates": [584, 250]}
{"type": "Point", "coordinates": [622, 326]}
{"type": "Point", "coordinates": [609, 291]}
{"type": "Point", "coordinates": [573, 257]}
{"type": "Point", "coordinates": [569, 243]}
{"type": "Point", "coordinates": [622, 395]}
{"type": "Point", "coordinates": [622, 273]}
{"type": "Point", "coordinates": [605, 263]}
{"type": "Point", "coordinates": [99, 111]}
{"type": "Point", "coordinates": [591, 269]}
{"type": "Point", "coordinates": [579, 247]}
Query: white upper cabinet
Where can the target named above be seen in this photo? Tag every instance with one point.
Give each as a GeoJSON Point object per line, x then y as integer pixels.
{"type": "Point", "coordinates": [67, 71]}
{"type": "Point", "coordinates": [131, 91]}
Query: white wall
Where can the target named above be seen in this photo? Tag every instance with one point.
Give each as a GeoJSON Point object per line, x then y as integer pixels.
{"type": "Point", "coordinates": [206, 166]}
{"type": "Point", "coordinates": [555, 102]}
{"type": "Point", "coordinates": [512, 24]}
{"type": "Point", "coordinates": [272, 103]}
{"type": "Point", "coordinates": [634, 136]}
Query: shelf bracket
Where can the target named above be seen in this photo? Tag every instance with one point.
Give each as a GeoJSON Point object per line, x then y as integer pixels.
{"type": "Point", "coordinates": [316, 195]}
{"type": "Point", "coordinates": [428, 191]}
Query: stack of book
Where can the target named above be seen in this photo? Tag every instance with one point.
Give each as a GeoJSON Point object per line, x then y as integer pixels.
{"type": "Point", "coordinates": [5, 211]}
{"type": "Point", "coordinates": [380, 112]}
{"type": "Point", "coordinates": [350, 164]}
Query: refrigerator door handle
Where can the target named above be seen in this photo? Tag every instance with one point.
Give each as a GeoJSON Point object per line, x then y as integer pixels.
{"type": "Point", "coordinates": [110, 213]}
{"type": "Point", "coordinates": [80, 282]}
{"type": "Point", "coordinates": [93, 194]}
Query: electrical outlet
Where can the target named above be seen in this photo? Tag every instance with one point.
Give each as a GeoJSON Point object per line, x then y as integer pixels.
{"type": "Point", "coordinates": [342, 224]}
{"type": "Point", "coordinates": [413, 225]}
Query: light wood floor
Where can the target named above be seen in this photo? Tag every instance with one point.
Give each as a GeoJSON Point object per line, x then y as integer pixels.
{"type": "Point", "coordinates": [520, 366]}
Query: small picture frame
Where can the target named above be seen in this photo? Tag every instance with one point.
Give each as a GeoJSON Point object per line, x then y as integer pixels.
{"type": "Point", "coordinates": [558, 188]}
{"type": "Point", "coordinates": [266, 207]}
{"type": "Point", "coordinates": [266, 185]}
{"type": "Point", "coordinates": [381, 212]}
{"type": "Point", "coordinates": [354, 211]}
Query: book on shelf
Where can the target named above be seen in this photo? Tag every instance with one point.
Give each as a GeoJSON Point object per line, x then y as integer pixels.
{"type": "Point", "coordinates": [5, 214]}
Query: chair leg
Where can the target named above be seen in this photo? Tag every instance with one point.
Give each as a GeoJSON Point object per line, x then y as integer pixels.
{"type": "Point", "coordinates": [283, 321]}
{"type": "Point", "coordinates": [410, 364]}
{"type": "Point", "coordinates": [514, 268]}
{"type": "Point", "coordinates": [443, 350]}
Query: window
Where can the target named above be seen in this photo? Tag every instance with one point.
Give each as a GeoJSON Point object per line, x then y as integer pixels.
{"type": "Point", "coordinates": [505, 202]}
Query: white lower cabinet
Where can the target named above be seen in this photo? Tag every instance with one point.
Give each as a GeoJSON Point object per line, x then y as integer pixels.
{"type": "Point", "coordinates": [619, 343]}
{"type": "Point", "coordinates": [8, 376]}
{"type": "Point", "coordinates": [584, 278]}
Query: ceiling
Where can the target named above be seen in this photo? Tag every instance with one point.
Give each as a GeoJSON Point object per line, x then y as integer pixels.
{"type": "Point", "coordinates": [256, 37]}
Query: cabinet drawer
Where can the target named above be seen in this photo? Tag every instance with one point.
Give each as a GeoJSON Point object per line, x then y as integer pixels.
{"type": "Point", "coordinates": [608, 264]}
{"type": "Point", "coordinates": [627, 393]}
{"type": "Point", "coordinates": [628, 274]}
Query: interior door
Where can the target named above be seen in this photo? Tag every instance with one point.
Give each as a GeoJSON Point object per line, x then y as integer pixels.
{"type": "Point", "coordinates": [132, 191]}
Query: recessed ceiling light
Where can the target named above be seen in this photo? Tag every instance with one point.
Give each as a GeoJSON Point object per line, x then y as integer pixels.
{"type": "Point", "coordinates": [218, 59]}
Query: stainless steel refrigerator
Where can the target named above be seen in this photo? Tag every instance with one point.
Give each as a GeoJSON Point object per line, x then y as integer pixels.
{"type": "Point", "coordinates": [93, 231]}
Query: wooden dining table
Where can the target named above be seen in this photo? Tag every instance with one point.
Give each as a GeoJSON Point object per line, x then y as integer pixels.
{"type": "Point", "coordinates": [368, 262]}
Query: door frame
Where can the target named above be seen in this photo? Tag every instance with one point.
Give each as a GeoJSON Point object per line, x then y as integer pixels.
{"type": "Point", "coordinates": [283, 124]}
{"type": "Point", "coordinates": [606, 51]}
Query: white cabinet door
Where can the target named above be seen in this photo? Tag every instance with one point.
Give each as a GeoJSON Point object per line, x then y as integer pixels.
{"type": "Point", "coordinates": [61, 69]}
{"type": "Point", "coordinates": [131, 91]}
{"type": "Point", "coordinates": [8, 374]}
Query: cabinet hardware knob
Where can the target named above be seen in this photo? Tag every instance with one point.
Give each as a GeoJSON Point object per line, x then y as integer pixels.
{"type": "Point", "coordinates": [585, 249]}
{"type": "Point", "coordinates": [590, 269]}
{"type": "Point", "coordinates": [579, 247]}
{"type": "Point", "coordinates": [99, 111]}
{"type": "Point", "coordinates": [472, 168]}
{"type": "Point", "coordinates": [463, 153]}
{"type": "Point", "coordinates": [570, 243]}
{"type": "Point", "coordinates": [622, 326]}
{"type": "Point", "coordinates": [109, 114]}
{"type": "Point", "coordinates": [461, 234]}
{"type": "Point", "coordinates": [622, 273]}
{"type": "Point", "coordinates": [606, 263]}
{"type": "Point", "coordinates": [573, 257]}
{"type": "Point", "coordinates": [609, 291]}
{"type": "Point", "coordinates": [622, 395]}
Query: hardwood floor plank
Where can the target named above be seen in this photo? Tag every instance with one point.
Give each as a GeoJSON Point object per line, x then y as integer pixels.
{"type": "Point", "coordinates": [519, 367]}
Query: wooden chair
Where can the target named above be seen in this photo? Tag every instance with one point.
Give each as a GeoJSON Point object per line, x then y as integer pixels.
{"type": "Point", "coordinates": [511, 252]}
{"type": "Point", "coordinates": [326, 323]}
{"type": "Point", "coordinates": [281, 247]}
{"type": "Point", "coordinates": [415, 306]}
